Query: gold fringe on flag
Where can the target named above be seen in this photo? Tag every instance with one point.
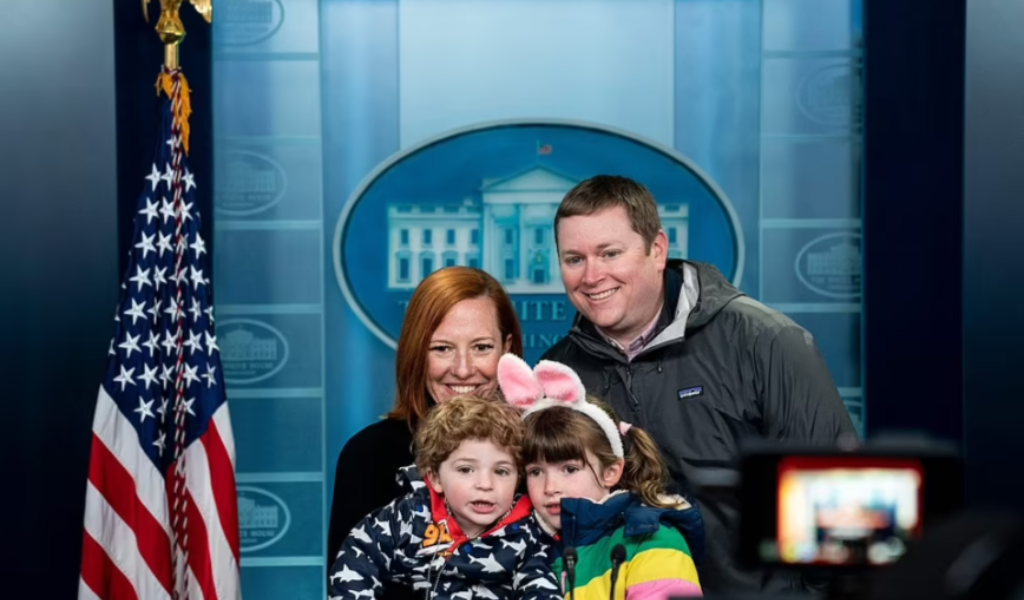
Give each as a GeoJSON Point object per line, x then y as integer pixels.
{"type": "Point", "coordinates": [181, 106]}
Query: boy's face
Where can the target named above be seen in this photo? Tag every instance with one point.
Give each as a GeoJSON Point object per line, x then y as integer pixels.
{"type": "Point", "coordinates": [549, 482]}
{"type": "Point", "coordinates": [479, 482]}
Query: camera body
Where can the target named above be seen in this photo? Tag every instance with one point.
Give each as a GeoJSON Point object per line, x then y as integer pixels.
{"type": "Point", "coordinates": [832, 511]}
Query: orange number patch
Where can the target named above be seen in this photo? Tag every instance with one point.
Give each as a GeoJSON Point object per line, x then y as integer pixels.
{"type": "Point", "coordinates": [436, 534]}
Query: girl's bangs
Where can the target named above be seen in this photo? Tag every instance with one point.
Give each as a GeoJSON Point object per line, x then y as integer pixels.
{"type": "Point", "coordinates": [554, 435]}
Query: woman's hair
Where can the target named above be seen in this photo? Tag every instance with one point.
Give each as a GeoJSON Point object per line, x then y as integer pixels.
{"type": "Point", "coordinates": [467, 418]}
{"type": "Point", "coordinates": [430, 303]}
{"type": "Point", "coordinates": [560, 433]}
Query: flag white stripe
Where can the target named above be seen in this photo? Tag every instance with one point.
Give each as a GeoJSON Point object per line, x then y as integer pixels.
{"type": "Point", "coordinates": [223, 420]}
{"type": "Point", "coordinates": [200, 485]}
{"type": "Point", "coordinates": [120, 437]}
{"type": "Point", "coordinates": [195, 591]}
{"type": "Point", "coordinates": [85, 592]}
{"type": "Point", "coordinates": [118, 540]}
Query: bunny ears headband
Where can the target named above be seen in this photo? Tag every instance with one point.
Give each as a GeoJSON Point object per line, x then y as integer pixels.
{"type": "Point", "coordinates": [552, 384]}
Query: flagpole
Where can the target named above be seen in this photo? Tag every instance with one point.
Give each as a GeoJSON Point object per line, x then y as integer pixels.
{"type": "Point", "coordinates": [172, 82]}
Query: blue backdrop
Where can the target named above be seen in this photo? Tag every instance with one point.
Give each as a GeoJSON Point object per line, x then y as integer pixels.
{"type": "Point", "coordinates": [361, 143]}
{"type": "Point", "coordinates": [62, 207]}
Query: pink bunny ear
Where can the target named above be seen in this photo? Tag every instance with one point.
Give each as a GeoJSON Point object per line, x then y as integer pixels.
{"type": "Point", "coordinates": [559, 382]}
{"type": "Point", "coordinates": [517, 382]}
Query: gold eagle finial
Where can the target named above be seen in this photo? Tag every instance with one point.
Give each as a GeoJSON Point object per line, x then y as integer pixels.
{"type": "Point", "coordinates": [203, 7]}
{"type": "Point", "coordinates": [170, 28]}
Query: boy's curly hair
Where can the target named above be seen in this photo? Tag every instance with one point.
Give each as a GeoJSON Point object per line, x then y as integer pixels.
{"type": "Point", "coordinates": [467, 418]}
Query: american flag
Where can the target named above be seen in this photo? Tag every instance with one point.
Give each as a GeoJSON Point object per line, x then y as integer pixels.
{"type": "Point", "coordinates": [161, 518]}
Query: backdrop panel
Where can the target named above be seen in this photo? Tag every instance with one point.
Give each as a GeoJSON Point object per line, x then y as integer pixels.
{"type": "Point", "coordinates": [361, 144]}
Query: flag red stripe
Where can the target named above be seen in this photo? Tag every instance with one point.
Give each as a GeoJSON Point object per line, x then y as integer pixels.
{"type": "Point", "coordinates": [195, 536]}
{"type": "Point", "coordinates": [199, 550]}
{"type": "Point", "coordinates": [222, 476]}
{"type": "Point", "coordinates": [102, 575]}
{"type": "Point", "coordinates": [117, 486]}
{"type": "Point", "coordinates": [117, 433]}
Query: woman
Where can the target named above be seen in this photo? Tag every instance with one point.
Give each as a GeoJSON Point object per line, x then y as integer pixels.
{"type": "Point", "coordinates": [458, 324]}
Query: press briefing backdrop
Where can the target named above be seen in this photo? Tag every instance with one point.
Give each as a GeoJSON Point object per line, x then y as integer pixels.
{"type": "Point", "coordinates": [361, 144]}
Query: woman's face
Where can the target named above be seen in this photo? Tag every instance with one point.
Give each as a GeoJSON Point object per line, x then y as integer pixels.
{"type": "Point", "coordinates": [464, 350]}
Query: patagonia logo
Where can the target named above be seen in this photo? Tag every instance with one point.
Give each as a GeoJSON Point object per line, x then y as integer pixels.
{"type": "Point", "coordinates": [690, 392]}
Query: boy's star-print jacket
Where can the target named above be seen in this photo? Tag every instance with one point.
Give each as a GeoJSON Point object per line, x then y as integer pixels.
{"type": "Point", "coordinates": [416, 542]}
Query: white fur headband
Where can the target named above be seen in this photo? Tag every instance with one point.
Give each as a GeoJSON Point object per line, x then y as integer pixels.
{"type": "Point", "coordinates": [551, 384]}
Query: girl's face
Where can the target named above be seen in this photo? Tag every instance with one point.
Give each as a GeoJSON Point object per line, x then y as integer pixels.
{"type": "Point", "coordinates": [549, 482]}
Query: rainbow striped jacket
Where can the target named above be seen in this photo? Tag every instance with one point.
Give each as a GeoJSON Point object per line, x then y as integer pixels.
{"type": "Point", "coordinates": [660, 548]}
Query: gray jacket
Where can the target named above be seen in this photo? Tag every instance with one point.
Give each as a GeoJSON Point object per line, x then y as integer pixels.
{"type": "Point", "coordinates": [723, 367]}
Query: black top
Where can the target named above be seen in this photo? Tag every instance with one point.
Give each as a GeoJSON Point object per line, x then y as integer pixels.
{"type": "Point", "coordinates": [365, 479]}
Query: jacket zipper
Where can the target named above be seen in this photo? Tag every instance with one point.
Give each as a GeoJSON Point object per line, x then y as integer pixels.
{"type": "Point", "coordinates": [432, 591]}
{"type": "Point", "coordinates": [627, 382]}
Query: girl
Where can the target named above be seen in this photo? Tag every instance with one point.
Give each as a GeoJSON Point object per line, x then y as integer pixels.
{"type": "Point", "coordinates": [597, 486]}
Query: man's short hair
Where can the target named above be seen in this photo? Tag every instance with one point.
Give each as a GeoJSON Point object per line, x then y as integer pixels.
{"type": "Point", "coordinates": [602, 192]}
{"type": "Point", "coordinates": [467, 418]}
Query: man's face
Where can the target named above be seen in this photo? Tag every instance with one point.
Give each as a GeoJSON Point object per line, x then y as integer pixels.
{"type": "Point", "coordinates": [608, 274]}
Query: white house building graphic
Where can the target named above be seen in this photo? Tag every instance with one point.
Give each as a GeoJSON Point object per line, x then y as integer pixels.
{"type": "Point", "coordinates": [507, 232]}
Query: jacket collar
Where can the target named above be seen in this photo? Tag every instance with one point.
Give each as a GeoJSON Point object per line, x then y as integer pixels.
{"type": "Point", "coordinates": [682, 291]}
{"type": "Point", "coordinates": [700, 292]}
{"type": "Point", "coordinates": [585, 521]}
{"type": "Point", "coordinates": [439, 513]}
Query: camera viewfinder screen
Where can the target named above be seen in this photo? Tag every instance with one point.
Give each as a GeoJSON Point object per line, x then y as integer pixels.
{"type": "Point", "coordinates": [854, 511]}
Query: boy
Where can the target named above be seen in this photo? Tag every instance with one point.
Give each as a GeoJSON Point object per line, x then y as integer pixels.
{"type": "Point", "coordinates": [464, 534]}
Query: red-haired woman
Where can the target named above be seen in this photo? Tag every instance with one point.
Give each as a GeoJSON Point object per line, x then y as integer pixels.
{"type": "Point", "coordinates": [458, 324]}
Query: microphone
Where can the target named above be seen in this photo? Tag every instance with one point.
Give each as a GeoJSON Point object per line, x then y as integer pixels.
{"type": "Point", "coordinates": [570, 557]}
{"type": "Point", "coordinates": [618, 557]}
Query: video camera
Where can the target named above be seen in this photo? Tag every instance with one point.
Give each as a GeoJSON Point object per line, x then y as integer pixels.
{"type": "Point", "coordinates": [881, 521]}
{"type": "Point", "coordinates": [833, 511]}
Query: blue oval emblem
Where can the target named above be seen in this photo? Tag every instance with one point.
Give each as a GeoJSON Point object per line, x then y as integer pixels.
{"type": "Point", "coordinates": [250, 350]}
{"type": "Point", "coordinates": [263, 518]}
{"type": "Point", "coordinates": [247, 183]}
{"type": "Point", "coordinates": [244, 22]}
{"type": "Point", "coordinates": [830, 265]}
{"type": "Point", "coordinates": [485, 196]}
{"type": "Point", "coordinates": [831, 95]}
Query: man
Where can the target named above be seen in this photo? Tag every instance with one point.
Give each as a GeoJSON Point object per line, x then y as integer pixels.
{"type": "Point", "coordinates": [679, 351]}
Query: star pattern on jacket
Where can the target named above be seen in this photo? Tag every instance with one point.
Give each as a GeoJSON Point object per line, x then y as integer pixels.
{"type": "Point", "coordinates": [391, 545]}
